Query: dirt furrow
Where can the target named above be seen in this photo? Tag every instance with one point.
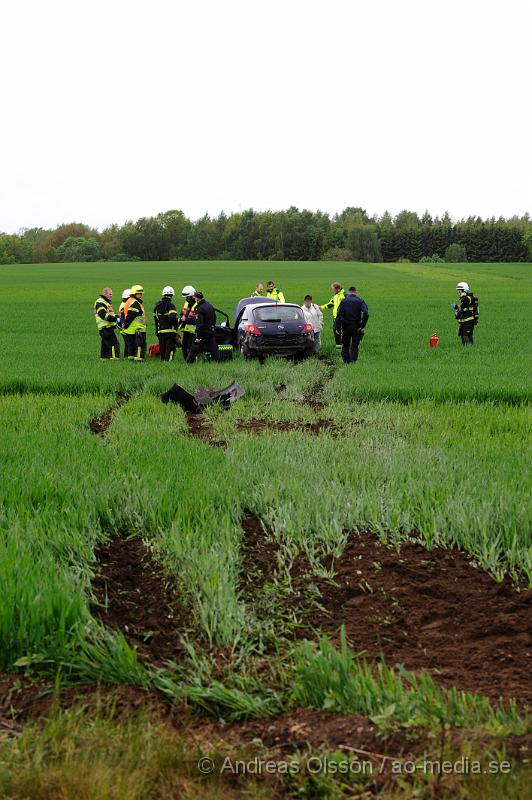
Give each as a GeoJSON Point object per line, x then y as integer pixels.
{"type": "Point", "coordinates": [134, 595]}
{"type": "Point", "coordinates": [100, 425]}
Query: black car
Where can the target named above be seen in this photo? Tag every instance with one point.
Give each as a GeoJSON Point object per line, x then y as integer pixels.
{"type": "Point", "coordinates": [273, 329]}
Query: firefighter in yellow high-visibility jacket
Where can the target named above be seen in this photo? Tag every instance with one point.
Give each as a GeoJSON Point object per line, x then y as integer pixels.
{"type": "Point", "coordinates": [134, 328]}
{"type": "Point", "coordinates": [106, 320]}
{"type": "Point", "coordinates": [334, 303]}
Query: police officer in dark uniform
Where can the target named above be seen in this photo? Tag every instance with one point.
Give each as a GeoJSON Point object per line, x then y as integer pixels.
{"type": "Point", "coordinates": [204, 338]}
{"type": "Point", "coordinates": [165, 316]}
{"type": "Point", "coordinates": [351, 320]}
{"type": "Point", "coordinates": [466, 313]}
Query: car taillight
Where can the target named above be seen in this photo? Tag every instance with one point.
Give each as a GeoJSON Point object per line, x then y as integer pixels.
{"type": "Point", "coordinates": [253, 330]}
{"type": "Point", "coordinates": [307, 328]}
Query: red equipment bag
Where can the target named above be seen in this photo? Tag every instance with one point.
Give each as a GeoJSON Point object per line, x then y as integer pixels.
{"type": "Point", "coordinates": [154, 351]}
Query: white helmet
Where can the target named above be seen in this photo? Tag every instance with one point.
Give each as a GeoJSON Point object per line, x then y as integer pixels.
{"type": "Point", "coordinates": [188, 291]}
{"type": "Point", "coordinates": [126, 293]}
{"type": "Point", "coordinates": [168, 290]}
{"type": "Point", "coordinates": [463, 286]}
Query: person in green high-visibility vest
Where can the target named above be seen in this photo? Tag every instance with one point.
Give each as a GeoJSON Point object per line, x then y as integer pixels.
{"type": "Point", "coordinates": [134, 328]}
{"type": "Point", "coordinates": [274, 293]}
{"type": "Point", "coordinates": [106, 320]}
{"type": "Point", "coordinates": [334, 303]}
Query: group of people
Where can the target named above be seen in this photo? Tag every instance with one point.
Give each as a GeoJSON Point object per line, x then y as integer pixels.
{"type": "Point", "coordinates": [193, 326]}
{"type": "Point", "coordinates": [349, 312]}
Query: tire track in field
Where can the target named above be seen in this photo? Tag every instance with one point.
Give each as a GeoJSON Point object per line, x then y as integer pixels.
{"type": "Point", "coordinates": [100, 425]}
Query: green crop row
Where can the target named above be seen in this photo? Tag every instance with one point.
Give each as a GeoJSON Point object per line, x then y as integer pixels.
{"type": "Point", "coordinates": [389, 468]}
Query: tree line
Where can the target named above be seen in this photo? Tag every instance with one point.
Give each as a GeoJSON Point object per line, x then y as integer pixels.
{"type": "Point", "coordinates": [290, 235]}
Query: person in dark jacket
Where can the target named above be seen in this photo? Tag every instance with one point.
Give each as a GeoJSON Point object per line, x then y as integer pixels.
{"type": "Point", "coordinates": [351, 320]}
{"type": "Point", "coordinates": [165, 316]}
{"type": "Point", "coordinates": [106, 321]}
{"type": "Point", "coordinates": [204, 339]}
{"type": "Point", "coordinates": [466, 313]}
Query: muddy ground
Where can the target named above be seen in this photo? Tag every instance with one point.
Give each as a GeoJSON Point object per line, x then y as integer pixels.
{"type": "Point", "coordinates": [133, 594]}
{"type": "Point", "coordinates": [297, 730]}
{"type": "Point", "coordinates": [429, 610]}
{"type": "Point", "coordinates": [433, 611]}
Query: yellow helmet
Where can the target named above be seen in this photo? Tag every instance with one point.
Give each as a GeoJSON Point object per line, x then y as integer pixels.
{"type": "Point", "coordinates": [137, 289]}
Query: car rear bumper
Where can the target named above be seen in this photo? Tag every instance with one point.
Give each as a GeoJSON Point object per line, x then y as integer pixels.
{"type": "Point", "coordinates": [288, 346]}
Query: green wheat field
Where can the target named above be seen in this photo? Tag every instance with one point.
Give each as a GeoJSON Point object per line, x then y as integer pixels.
{"type": "Point", "coordinates": [433, 441]}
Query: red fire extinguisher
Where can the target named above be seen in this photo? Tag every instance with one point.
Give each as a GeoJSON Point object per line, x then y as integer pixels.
{"type": "Point", "coordinates": [434, 340]}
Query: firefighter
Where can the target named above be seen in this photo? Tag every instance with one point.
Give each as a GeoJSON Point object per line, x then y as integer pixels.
{"type": "Point", "coordinates": [121, 316]}
{"type": "Point", "coordinates": [187, 320]}
{"type": "Point", "coordinates": [106, 320]}
{"type": "Point", "coordinates": [351, 320]}
{"type": "Point", "coordinates": [259, 290]}
{"type": "Point", "coordinates": [334, 303]}
{"type": "Point", "coordinates": [204, 339]}
{"type": "Point", "coordinates": [165, 316]}
{"type": "Point", "coordinates": [134, 328]}
{"type": "Point", "coordinates": [274, 293]}
{"type": "Point", "coordinates": [466, 313]}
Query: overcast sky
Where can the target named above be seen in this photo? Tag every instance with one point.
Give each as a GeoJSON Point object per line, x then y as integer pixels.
{"type": "Point", "coordinates": [115, 109]}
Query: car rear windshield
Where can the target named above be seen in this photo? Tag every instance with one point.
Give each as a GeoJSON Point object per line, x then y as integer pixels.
{"type": "Point", "coordinates": [277, 313]}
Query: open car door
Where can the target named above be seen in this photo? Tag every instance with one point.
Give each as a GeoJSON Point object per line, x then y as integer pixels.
{"type": "Point", "coordinates": [224, 335]}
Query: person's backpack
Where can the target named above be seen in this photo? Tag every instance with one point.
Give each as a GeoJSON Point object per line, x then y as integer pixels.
{"type": "Point", "coordinates": [474, 298]}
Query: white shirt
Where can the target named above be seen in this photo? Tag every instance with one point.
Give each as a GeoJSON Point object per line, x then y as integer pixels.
{"type": "Point", "coordinates": [314, 315]}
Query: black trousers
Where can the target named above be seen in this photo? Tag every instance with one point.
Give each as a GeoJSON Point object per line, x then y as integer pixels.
{"type": "Point", "coordinates": [135, 345]}
{"type": "Point", "coordinates": [465, 332]}
{"type": "Point", "coordinates": [167, 345]}
{"type": "Point", "coordinates": [205, 345]}
{"type": "Point", "coordinates": [337, 336]}
{"type": "Point", "coordinates": [351, 338]}
{"type": "Point", "coordinates": [110, 347]}
{"type": "Point", "coordinates": [186, 340]}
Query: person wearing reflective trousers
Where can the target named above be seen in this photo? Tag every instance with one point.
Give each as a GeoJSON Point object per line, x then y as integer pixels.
{"type": "Point", "coordinates": [165, 316]}
{"type": "Point", "coordinates": [334, 303]}
{"type": "Point", "coordinates": [187, 319]}
{"type": "Point", "coordinates": [121, 315]}
{"type": "Point", "coordinates": [351, 319]}
{"type": "Point", "coordinates": [204, 339]}
{"type": "Point", "coordinates": [466, 313]}
{"type": "Point", "coordinates": [106, 320]}
{"type": "Point", "coordinates": [134, 328]}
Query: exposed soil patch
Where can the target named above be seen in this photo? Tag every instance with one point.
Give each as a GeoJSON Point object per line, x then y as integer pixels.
{"type": "Point", "coordinates": [201, 429]}
{"type": "Point", "coordinates": [304, 727]}
{"type": "Point", "coordinates": [135, 596]}
{"type": "Point", "coordinates": [259, 556]}
{"type": "Point", "coordinates": [280, 388]}
{"type": "Point", "coordinates": [294, 730]}
{"type": "Point", "coordinates": [256, 425]}
{"type": "Point", "coordinates": [433, 611]}
{"type": "Point", "coordinates": [313, 397]}
{"type": "Point", "coordinates": [100, 425]}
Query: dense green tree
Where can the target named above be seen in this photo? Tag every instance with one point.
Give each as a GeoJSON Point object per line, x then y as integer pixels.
{"type": "Point", "coordinates": [407, 219]}
{"type": "Point", "coordinates": [47, 247]}
{"type": "Point", "coordinates": [527, 241]}
{"type": "Point", "coordinates": [176, 226]}
{"type": "Point", "coordinates": [363, 241]}
{"type": "Point", "coordinates": [15, 250]}
{"type": "Point", "coordinates": [292, 234]}
{"type": "Point", "coordinates": [456, 253]}
{"type": "Point", "coordinates": [77, 248]}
